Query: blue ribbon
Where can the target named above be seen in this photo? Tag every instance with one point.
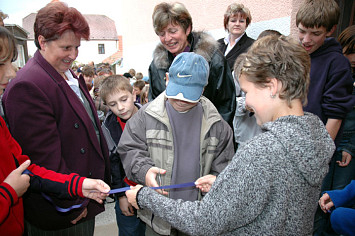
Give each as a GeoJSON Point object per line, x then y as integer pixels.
{"type": "Point", "coordinates": [118, 190]}
{"type": "Point", "coordinates": [184, 185]}
{"type": "Point", "coordinates": [60, 209]}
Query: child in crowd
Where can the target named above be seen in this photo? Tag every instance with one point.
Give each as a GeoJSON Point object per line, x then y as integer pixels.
{"type": "Point", "coordinates": [101, 108]}
{"type": "Point", "coordinates": [340, 203]}
{"type": "Point", "coordinates": [88, 73]}
{"type": "Point", "coordinates": [13, 181]}
{"type": "Point", "coordinates": [117, 93]}
{"type": "Point", "coordinates": [179, 137]}
{"type": "Point", "coordinates": [144, 94]}
{"type": "Point", "coordinates": [137, 88]}
{"type": "Point", "coordinates": [244, 123]}
{"type": "Point", "coordinates": [139, 76]}
{"type": "Point", "coordinates": [330, 91]}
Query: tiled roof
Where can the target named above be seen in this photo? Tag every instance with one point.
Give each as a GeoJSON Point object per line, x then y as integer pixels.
{"type": "Point", "coordinates": [101, 27]}
{"type": "Point", "coordinates": [117, 55]}
{"type": "Point", "coordinates": [113, 58]}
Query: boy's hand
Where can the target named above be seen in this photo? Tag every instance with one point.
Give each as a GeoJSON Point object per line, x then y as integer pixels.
{"type": "Point", "coordinates": [205, 182]}
{"type": "Point", "coordinates": [325, 203]}
{"type": "Point", "coordinates": [82, 215]}
{"type": "Point", "coordinates": [125, 206]}
{"type": "Point", "coordinates": [346, 158]}
{"type": "Point", "coordinates": [95, 189]}
{"type": "Point", "coordinates": [150, 179]}
{"type": "Point", "coordinates": [18, 181]}
{"type": "Point", "coordinates": [132, 195]}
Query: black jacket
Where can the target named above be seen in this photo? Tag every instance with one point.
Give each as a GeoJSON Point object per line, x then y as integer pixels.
{"type": "Point", "coordinates": [242, 46]}
{"type": "Point", "coordinates": [112, 132]}
{"type": "Point", "coordinates": [220, 89]}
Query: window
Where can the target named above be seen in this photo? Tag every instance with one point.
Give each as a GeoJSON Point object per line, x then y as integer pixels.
{"type": "Point", "coordinates": [20, 62]}
{"type": "Point", "coordinates": [101, 48]}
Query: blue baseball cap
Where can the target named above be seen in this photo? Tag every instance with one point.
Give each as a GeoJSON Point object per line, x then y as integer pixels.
{"type": "Point", "coordinates": [188, 75]}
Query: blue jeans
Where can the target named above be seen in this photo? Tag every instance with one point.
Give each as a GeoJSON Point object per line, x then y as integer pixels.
{"type": "Point", "coordinates": [128, 225]}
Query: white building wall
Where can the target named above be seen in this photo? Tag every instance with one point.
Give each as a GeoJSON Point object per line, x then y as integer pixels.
{"type": "Point", "coordinates": [139, 39]}
{"type": "Point", "coordinates": [88, 50]}
{"type": "Point", "coordinates": [140, 56]}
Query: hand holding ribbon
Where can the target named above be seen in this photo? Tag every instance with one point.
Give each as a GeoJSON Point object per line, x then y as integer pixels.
{"type": "Point", "coordinates": [150, 178]}
{"type": "Point", "coordinates": [18, 180]}
{"type": "Point", "coordinates": [325, 203]}
{"type": "Point", "coordinates": [205, 182]}
{"type": "Point", "coordinates": [95, 189]}
{"type": "Point", "coordinates": [132, 195]}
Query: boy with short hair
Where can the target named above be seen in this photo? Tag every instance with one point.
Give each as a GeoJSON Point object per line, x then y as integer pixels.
{"type": "Point", "coordinates": [179, 137]}
{"type": "Point", "coordinates": [88, 73]}
{"type": "Point", "coordinates": [330, 90]}
{"type": "Point", "coordinates": [117, 93]}
{"type": "Point", "coordinates": [138, 87]}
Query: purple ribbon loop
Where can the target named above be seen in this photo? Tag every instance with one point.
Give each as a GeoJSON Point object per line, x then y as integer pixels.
{"type": "Point", "coordinates": [48, 198]}
{"type": "Point", "coordinates": [184, 185]}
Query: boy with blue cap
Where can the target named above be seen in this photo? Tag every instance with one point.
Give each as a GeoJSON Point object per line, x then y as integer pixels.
{"type": "Point", "coordinates": [177, 138]}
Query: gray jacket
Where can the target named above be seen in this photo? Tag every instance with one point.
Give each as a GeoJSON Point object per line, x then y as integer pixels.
{"type": "Point", "coordinates": [271, 187]}
{"type": "Point", "coordinates": [147, 141]}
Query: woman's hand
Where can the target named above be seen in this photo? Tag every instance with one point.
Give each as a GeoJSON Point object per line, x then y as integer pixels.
{"type": "Point", "coordinates": [132, 195]}
{"type": "Point", "coordinates": [326, 203]}
{"type": "Point", "coordinates": [205, 182]}
{"type": "Point", "coordinates": [125, 206]}
{"type": "Point", "coordinates": [95, 189]}
{"type": "Point", "coordinates": [18, 181]}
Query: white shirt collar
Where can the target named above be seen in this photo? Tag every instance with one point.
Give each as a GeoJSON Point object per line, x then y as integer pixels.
{"type": "Point", "coordinates": [226, 39]}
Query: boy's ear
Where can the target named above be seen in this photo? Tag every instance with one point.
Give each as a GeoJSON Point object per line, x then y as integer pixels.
{"type": "Point", "coordinates": [331, 31]}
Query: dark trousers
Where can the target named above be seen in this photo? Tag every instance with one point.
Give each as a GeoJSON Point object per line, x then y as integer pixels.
{"type": "Point", "coordinates": [85, 228]}
{"type": "Point", "coordinates": [128, 225]}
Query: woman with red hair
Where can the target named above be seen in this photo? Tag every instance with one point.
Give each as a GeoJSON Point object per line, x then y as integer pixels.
{"type": "Point", "coordinates": [52, 116]}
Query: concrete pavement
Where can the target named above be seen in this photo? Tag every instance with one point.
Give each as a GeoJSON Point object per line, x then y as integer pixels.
{"type": "Point", "coordinates": [105, 223]}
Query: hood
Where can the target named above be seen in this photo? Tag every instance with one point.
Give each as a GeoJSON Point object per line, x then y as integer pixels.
{"type": "Point", "coordinates": [307, 144]}
{"type": "Point", "coordinates": [329, 45]}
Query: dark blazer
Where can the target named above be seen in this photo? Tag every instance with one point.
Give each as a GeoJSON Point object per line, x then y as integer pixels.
{"type": "Point", "coordinates": [242, 46]}
{"type": "Point", "coordinates": [53, 128]}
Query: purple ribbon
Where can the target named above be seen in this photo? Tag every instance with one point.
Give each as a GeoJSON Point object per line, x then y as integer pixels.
{"type": "Point", "coordinates": [184, 185]}
{"type": "Point", "coordinates": [60, 209]}
{"type": "Point", "coordinates": [118, 190]}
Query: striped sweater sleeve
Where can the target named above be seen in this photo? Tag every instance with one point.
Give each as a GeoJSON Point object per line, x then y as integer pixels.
{"type": "Point", "coordinates": [8, 198]}
{"type": "Point", "coordinates": [61, 185]}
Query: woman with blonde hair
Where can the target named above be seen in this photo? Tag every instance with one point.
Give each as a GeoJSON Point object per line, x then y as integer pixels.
{"type": "Point", "coordinates": [236, 20]}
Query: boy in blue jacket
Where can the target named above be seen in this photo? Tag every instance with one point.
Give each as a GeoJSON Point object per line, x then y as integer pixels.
{"type": "Point", "coordinates": [117, 93]}
{"type": "Point", "coordinates": [339, 203]}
